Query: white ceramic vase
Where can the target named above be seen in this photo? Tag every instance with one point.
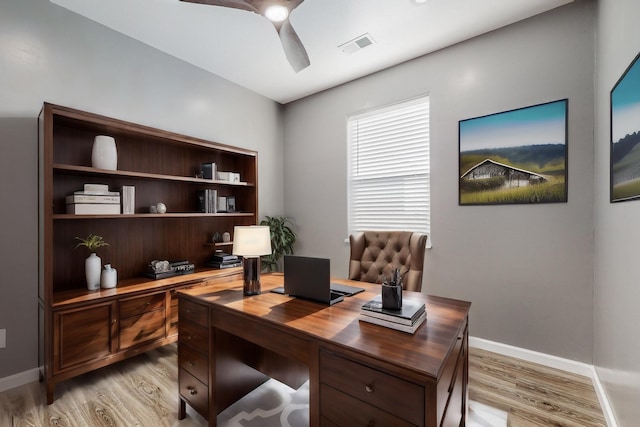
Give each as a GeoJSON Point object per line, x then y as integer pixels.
{"type": "Point", "coordinates": [104, 154]}
{"type": "Point", "coordinates": [92, 266]}
{"type": "Point", "coordinates": [109, 277]}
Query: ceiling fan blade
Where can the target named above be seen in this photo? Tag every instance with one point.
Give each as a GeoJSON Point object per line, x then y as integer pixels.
{"type": "Point", "coordinates": [235, 4]}
{"type": "Point", "coordinates": [293, 47]}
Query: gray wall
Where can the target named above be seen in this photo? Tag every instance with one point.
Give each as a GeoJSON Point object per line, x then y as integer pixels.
{"type": "Point", "coordinates": [616, 320]}
{"type": "Point", "coordinates": [50, 54]}
{"type": "Point", "coordinates": [527, 269]}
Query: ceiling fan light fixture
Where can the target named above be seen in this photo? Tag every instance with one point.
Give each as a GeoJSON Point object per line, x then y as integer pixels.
{"type": "Point", "coordinates": [276, 13]}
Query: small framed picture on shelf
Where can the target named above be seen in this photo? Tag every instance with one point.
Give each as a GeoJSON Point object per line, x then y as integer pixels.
{"type": "Point", "coordinates": [231, 203]}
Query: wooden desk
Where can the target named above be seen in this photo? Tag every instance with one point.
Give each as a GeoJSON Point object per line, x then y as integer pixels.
{"type": "Point", "coordinates": [360, 374]}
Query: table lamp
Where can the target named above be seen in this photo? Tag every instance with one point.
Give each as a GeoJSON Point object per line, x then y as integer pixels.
{"type": "Point", "coordinates": [251, 241]}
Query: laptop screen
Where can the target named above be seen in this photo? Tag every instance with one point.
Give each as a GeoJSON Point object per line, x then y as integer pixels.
{"type": "Point", "coordinates": [308, 278]}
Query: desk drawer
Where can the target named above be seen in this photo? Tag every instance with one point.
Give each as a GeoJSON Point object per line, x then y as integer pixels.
{"type": "Point", "coordinates": [387, 392]}
{"type": "Point", "coordinates": [194, 392]}
{"type": "Point", "coordinates": [194, 336]}
{"type": "Point", "coordinates": [136, 306]}
{"type": "Point", "coordinates": [194, 362]}
{"type": "Point", "coordinates": [338, 408]}
{"type": "Point", "coordinates": [195, 313]}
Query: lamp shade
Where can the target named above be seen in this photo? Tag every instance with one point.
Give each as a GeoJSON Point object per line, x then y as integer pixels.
{"type": "Point", "coordinates": [251, 240]}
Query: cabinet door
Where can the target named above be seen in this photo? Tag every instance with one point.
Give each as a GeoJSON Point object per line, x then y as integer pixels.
{"type": "Point", "coordinates": [83, 335]}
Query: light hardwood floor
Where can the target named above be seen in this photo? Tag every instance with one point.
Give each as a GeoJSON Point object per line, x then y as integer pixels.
{"type": "Point", "coordinates": [532, 394]}
{"type": "Point", "coordinates": [143, 392]}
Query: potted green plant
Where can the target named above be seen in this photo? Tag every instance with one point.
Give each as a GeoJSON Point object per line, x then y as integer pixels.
{"type": "Point", "coordinates": [282, 240]}
{"type": "Point", "coordinates": [93, 264]}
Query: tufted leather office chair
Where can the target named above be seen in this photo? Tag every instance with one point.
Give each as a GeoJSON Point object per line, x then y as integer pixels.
{"type": "Point", "coordinates": [375, 254]}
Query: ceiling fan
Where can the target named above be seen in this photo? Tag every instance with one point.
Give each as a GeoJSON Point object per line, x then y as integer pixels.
{"type": "Point", "coordinates": [277, 11]}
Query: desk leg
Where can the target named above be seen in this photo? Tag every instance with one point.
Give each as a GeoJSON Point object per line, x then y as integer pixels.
{"type": "Point", "coordinates": [314, 385]}
{"type": "Point", "coordinates": [182, 410]}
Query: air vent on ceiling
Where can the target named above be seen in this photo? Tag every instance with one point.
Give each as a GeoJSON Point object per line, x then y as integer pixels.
{"type": "Point", "coordinates": [356, 44]}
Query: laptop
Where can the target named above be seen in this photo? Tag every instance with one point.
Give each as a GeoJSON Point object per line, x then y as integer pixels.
{"type": "Point", "coordinates": [309, 278]}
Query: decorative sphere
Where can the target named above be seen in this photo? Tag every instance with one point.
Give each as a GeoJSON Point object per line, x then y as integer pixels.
{"type": "Point", "coordinates": [161, 208]}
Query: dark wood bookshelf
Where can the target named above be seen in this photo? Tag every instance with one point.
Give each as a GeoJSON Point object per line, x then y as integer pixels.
{"type": "Point", "coordinates": [83, 330]}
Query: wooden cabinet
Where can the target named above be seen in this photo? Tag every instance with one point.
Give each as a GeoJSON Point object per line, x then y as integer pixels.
{"type": "Point", "coordinates": [83, 334]}
{"type": "Point", "coordinates": [83, 330]}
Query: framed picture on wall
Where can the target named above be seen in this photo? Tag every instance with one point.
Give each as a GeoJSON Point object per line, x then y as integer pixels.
{"type": "Point", "coordinates": [625, 135]}
{"type": "Point", "coordinates": [514, 157]}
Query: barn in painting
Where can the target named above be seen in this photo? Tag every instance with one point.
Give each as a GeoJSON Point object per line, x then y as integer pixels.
{"type": "Point", "coordinates": [513, 177]}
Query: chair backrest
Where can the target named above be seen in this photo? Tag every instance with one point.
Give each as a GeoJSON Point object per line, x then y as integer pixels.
{"type": "Point", "coordinates": [375, 254]}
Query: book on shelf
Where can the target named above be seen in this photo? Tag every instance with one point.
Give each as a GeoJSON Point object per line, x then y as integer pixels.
{"type": "Point", "coordinates": [96, 193]}
{"type": "Point", "coordinates": [224, 257]}
{"type": "Point", "coordinates": [96, 188]}
{"type": "Point", "coordinates": [128, 199]}
{"type": "Point", "coordinates": [209, 171]}
{"type": "Point", "coordinates": [93, 208]}
{"type": "Point", "coordinates": [207, 201]}
{"type": "Point", "coordinates": [393, 325]}
{"type": "Point", "coordinates": [411, 310]}
{"type": "Point", "coordinates": [221, 265]}
{"type": "Point", "coordinates": [92, 198]}
{"type": "Point", "coordinates": [222, 204]}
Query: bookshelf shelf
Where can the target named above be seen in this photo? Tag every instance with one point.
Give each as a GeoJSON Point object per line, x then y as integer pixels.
{"type": "Point", "coordinates": [89, 171]}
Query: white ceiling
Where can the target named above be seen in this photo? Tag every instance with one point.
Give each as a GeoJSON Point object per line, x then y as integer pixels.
{"type": "Point", "coordinates": [243, 47]}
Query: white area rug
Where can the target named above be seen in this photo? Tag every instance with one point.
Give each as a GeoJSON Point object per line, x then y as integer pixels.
{"type": "Point", "coordinates": [273, 404]}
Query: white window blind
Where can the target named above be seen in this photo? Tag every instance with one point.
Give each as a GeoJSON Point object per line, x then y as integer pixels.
{"type": "Point", "coordinates": [389, 168]}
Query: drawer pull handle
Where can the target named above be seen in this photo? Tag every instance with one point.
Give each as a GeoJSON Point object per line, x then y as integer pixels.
{"type": "Point", "coordinates": [192, 390]}
{"type": "Point", "coordinates": [369, 388]}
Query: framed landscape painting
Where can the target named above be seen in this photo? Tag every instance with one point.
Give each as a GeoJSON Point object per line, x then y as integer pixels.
{"type": "Point", "coordinates": [625, 135]}
{"type": "Point", "coordinates": [514, 157]}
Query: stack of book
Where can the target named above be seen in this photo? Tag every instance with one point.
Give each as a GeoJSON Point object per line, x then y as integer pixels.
{"type": "Point", "coordinates": [223, 260]}
{"type": "Point", "coordinates": [407, 319]}
{"type": "Point", "coordinates": [94, 199]}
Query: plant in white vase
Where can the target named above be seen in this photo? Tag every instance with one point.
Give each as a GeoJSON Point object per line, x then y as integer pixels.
{"type": "Point", "coordinates": [93, 264]}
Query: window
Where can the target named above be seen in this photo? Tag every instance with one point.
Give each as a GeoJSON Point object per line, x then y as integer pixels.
{"type": "Point", "coordinates": [389, 168]}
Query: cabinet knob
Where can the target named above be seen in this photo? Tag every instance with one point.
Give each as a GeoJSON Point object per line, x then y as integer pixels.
{"type": "Point", "coordinates": [369, 388]}
{"type": "Point", "coordinates": [190, 363]}
{"type": "Point", "coordinates": [192, 390]}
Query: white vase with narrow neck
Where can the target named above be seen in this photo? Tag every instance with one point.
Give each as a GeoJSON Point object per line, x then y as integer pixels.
{"type": "Point", "coordinates": [104, 154]}
{"type": "Point", "coordinates": [92, 266]}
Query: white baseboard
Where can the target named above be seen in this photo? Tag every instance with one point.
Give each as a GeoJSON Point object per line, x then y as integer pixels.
{"type": "Point", "coordinates": [21, 378]}
{"type": "Point", "coordinates": [578, 368]}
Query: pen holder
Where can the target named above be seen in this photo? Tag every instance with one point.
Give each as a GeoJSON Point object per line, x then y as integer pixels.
{"type": "Point", "coordinates": [391, 296]}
